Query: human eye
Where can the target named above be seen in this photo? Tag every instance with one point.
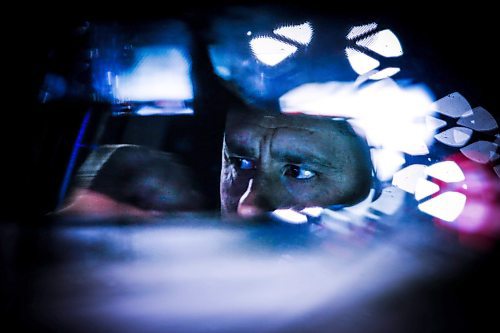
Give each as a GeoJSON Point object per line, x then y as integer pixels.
{"type": "Point", "coordinates": [297, 172]}
{"type": "Point", "coordinates": [243, 163]}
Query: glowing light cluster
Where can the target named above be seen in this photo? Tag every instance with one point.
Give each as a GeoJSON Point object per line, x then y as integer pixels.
{"type": "Point", "coordinates": [459, 110]}
{"type": "Point", "coordinates": [271, 50]}
{"type": "Point", "coordinates": [160, 73]}
{"type": "Point", "coordinates": [446, 206]}
{"type": "Point", "coordinates": [384, 43]}
{"type": "Point", "coordinates": [391, 116]}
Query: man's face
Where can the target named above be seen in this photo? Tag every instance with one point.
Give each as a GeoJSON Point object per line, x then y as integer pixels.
{"type": "Point", "coordinates": [290, 161]}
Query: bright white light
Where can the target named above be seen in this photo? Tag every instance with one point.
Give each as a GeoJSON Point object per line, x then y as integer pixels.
{"type": "Point", "coordinates": [290, 216]}
{"type": "Point", "coordinates": [360, 62]}
{"type": "Point", "coordinates": [424, 188]}
{"type": "Point", "coordinates": [479, 119]}
{"type": "Point", "coordinates": [159, 74]}
{"type": "Point", "coordinates": [312, 211]}
{"type": "Point", "coordinates": [301, 34]}
{"type": "Point", "coordinates": [384, 43]}
{"type": "Point", "coordinates": [360, 30]}
{"type": "Point", "coordinates": [447, 171]}
{"type": "Point", "coordinates": [446, 206]}
{"type": "Point", "coordinates": [454, 137]}
{"type": "Point", "coordinates": [434, 123]}
{"type": "Point", "coordinates": [385, 73]}
{"type": "Point", "coordinates": [151, 111]}
{"type": "Point", "coordinates": [389, 200]}
{"type": "Point", "coordinates": [386, 162]}
{"type": "Point", "coordinates": [454, 105]}
{"type": "Point", "coordinates": [392, 117]}
{"type": "Point", "coordinates": [271, 51]}
{"type": "Point", "coordinates": [407, 178]}
{"type": "Point", "coordinates": [481, 151]}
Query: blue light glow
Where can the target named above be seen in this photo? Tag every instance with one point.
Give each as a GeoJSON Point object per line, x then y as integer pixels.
{"type": "Point", "coordinates": [159, 73]}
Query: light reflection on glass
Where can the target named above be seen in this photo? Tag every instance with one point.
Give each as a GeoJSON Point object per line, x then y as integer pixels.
{"type": "Point", "coordinates": [481, 151]}
{"type": "Point", "coordinates": [446, 206]}
{"type": "Point", "coordinates": [447, 171]}
{"type": "Point", "coordinates": [360, 62]}
{"type": "Point", "coordinates": [290, 216]}
{"type": "Point", "coordinates": [301, 33]}
{"type": "Point", "coordinates": [271, 51]}
{"type": "Point", "coordinates": [454, 137]}
{"type": "Point", "coordinates": [158, 74]}
{"type": "Point", "coordinates": [383, 42]}
{"type": "Point", "coordinates": [453, 105]}
{"type": "Point", "coordinates": [425, 188]}
{"type": "Point", "coordinates": [478, 119]}
{"type": "Point", "coordinates": [357, 31]}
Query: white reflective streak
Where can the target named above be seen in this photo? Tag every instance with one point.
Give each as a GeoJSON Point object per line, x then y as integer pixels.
{"type": "Point", "coordinates": [290, 216]}
{"type": "Point", "coordinates": [301, 34]}
{"type": "Point", "coordinates": [359, 30]}
{"type": "Point", "coordinates": [446, 206]}
{"type": "Point", "coordinates": [385, 73]}
{"type": "Point", "coordinates": [271, 51]}
{"type": "Point", "coordinates": [447, 171]}
{"type": "Point", "coordinates": [312, 211]}
{"type": "Point", "coordinates": [360, 62]}
{"type": "Point", "coordinates": [151, 111]}
{"type": "Point", "coordinates": [384, 43]}
{"type": "Point", "coordinates": [160, 73]}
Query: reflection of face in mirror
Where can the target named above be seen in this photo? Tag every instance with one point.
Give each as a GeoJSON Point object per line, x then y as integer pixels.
{"type": "Point", "coordinates": [273, 161]}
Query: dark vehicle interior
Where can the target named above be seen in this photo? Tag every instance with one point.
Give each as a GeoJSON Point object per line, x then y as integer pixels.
{"type": "Point", "coordinates": [264, 167]}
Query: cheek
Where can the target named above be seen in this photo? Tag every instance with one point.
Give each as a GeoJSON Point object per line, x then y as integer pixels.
{"type": "Point", "coordinates": [312, 193]}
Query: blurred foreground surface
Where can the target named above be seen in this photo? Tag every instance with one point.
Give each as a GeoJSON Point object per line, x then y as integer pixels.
{"type": "Point", "coordinates": [195, 273]}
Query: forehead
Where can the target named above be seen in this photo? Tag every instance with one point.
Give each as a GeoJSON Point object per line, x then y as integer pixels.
{"type": "Point", "coordinates": [273, 120]}
{"type": "Point", "coordinates": [250, 125]}
{"type": "Point", "coordinates": [297, 137]}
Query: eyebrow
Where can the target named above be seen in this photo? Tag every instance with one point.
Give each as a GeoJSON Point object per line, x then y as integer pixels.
{"type": "Point", "coordinates": [303, 158]}
{"type": "Point", "coordinates": [235, 147]}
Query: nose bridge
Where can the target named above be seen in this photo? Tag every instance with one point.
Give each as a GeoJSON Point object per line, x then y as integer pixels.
{"type": "Point", "coordinates": [258, 191]}
{"type": "Point", "coordinates": [265, 157]}
{"type": "Point", "coordinates": [265, 178]}
{"type": "Point", "coordinates": [263, 186]}
{"type": "Point", "coordinates": [258, 197]}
